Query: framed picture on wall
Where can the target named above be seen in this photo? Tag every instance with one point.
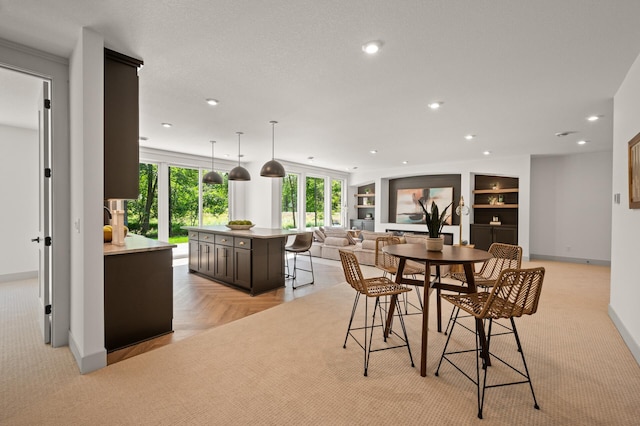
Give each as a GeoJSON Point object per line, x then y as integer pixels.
{"type": "Point", "coordinates": [634, 172]}
{"type": "Point", "coordinates": [442, 197]}
{"type": "Point", "coordinates": [408, 208]}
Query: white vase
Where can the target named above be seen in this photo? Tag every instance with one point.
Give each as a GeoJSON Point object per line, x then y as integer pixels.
{"type": "Point", "coordinates": [435, 244]}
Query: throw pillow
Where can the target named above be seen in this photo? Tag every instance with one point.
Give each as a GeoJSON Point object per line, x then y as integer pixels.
{"type": "Point", "coordinates": [318, 236]}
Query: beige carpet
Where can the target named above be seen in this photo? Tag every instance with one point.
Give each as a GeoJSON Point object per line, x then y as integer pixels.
{"type": "Point", "coordinates": [287, 366]}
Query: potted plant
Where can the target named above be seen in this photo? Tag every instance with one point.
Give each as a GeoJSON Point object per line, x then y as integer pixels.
{"type": "Point", "coordinates": [435, 222]}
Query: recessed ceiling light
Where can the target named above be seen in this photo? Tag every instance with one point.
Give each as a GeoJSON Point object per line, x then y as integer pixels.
{"type": "Point", "coordinates": [594, 117]}
{"type": "Point", "coordinates": [213, 102]}
{"type": "Point", "coordinates": [143, 138]}
{"type": "Point", "coordinates": [372, 47]}
{"type": "Point", "coordinates": [374, 151]}
{"type": "Point", "coordinates": [486, 153]}
{"type": "Point", "coordinates": [582, 142]}
{"type": "Point", "coordinates": [167, 125]}
{"type": "Point", "coordinates": [435, 105]}
{"type": "Point", "coordinates": [469, 137]}
{"type": "Point", "coordinates": [310, 159]}
{"type": "Point", "coordinates": [405, 162]}
{"type": "Point", "coordinates": [565, 133]}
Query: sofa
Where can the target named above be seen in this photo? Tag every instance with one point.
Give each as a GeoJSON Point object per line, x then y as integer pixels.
{"type": "Point", "coordinates": [328, 241]}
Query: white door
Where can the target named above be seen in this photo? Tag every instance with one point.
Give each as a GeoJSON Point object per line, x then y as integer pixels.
{"type": "Point", "coordinates": [44, 216]}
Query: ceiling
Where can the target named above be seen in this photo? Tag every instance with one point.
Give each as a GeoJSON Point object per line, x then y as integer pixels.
{"type": "Point", "coordinates": [513, 73]}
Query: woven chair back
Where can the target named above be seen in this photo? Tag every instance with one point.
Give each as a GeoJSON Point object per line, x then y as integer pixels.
{"type": "Point", "coordinates": [505, 256]}
{"type": "Point", "coordinates": [385, 261]}
{"type": "Point", "coordinates": [516, 293]}
{"type": "Point", "coordinates": [352, 271]}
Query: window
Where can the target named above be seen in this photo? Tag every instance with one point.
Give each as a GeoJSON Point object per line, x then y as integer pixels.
{"type": "Point", "coordinates": [336, 202]}
{"type": "Point", "coordinates": [142, 214]}
{"type": "Point", "coordinates": [290, 201]}
{"type": "Point", "coordinates": [314, 202]}
{"type": "Point", "coordinates": [215, 201]}
{"type": "Point", "coordinates": [183, 202]}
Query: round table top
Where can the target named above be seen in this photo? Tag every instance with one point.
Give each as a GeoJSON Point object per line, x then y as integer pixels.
{"type": "Point", "coordinates": [449, 254]}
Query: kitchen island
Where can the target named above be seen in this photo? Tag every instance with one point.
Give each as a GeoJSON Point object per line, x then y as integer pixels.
{"type": "Point", "coordinates": [138, 291]}
{"type": "Point", "coordinates": [251, 260]}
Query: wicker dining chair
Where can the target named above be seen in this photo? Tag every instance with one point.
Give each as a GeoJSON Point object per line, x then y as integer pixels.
{"type": "Point", "coordinates": [389, 265]}
{"type": "Point", "coordinates": [516, 292]}
{"type": "Point", "coordinates": [505, 256]}
{"type": "Point", "coordinates": [372, 288]}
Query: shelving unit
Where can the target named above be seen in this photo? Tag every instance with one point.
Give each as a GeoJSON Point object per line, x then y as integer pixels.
{"type": "Point", "coordinates": [365, 205]}
{"type": "Point", "coordinates": [494, 197]}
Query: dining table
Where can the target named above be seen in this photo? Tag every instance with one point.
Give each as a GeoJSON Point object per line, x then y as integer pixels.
{"type": "Point", "coordinates": [450, 255]}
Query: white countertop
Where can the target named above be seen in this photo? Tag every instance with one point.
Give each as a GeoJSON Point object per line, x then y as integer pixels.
{"type": "Point", "coordinates": [136, 244]}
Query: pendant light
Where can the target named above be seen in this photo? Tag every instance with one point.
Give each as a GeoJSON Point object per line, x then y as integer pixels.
{"type": "Point", "coordinates": [239, 172]}
{"type": "Point", "coordinates": [212, 177]}
{"type": "Point", "coordinates": [272, 168]}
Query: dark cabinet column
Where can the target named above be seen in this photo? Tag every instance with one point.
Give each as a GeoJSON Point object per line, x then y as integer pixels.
{"type": "Point", "coordinates": [121, 126]}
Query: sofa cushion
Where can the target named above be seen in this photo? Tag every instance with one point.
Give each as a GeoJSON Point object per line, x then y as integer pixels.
{"type": "Point", "coordinates": [415, 239]}
{"type": "Point", "coordinates": [335, 232]}
{"type": "Point", "coordinates": [318, 236]}
{"type": "Point", "coordinates": [369, 244]}
{"type": "Point", "coordinates": [369, 235]}
{"type": "Point", "coordinates": [336, 241]}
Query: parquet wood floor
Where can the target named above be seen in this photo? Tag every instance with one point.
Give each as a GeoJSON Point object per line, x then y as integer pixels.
{"type": "Point", "coordinates": [200, 304]}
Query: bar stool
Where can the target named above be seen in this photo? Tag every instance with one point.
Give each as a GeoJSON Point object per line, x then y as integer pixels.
{"type": "Point", "coordinates": [372, 288]}
{"type": "Point", "coordinates": [301, 244]}
{"type": "Point", "coordinates": [516, 292]}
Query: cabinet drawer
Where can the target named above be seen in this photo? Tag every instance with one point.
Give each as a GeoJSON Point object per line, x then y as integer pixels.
{"type": "Point", "coordinates": [206, 237]}
{"type": "Point", "coordinates": [242, 242]}
{"type": "Point", "coordinates": [193, 235]}
{"type": "Point", "coordinates": [225, 240]}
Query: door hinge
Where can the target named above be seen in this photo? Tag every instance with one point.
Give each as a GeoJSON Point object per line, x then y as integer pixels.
{"type": "Point", "coordinates": [47, 172]}
{"type": "Point", "coordinates": [47, 310]}
{"type": "Point", "coordinates": [47, 103]}
{"type": "Point", "coordinates": [47, 241]}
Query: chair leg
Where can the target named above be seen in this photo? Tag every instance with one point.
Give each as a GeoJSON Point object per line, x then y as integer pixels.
{"type": "Point", "coordinates": [353, 312]}
{"type": "Point", "coordinates": [526, 369]}
{"type": "Point", "coordinates": [404, 330]}
{"type": "Point", "coordinates": [295, 271]}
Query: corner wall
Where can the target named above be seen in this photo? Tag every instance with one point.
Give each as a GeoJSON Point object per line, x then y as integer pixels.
{"type": "Point", "coordinates": [570, 211]}
{"type": "Point", "coordinates": [625, 235]}
{"type": "Point", "coordinates": [86, 333]}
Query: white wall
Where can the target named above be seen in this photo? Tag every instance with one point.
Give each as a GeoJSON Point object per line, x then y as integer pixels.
{"type": "Point", "coordinates": [55, 69]}
{"type": "Point", "coordinates": [570, 207]}
{"type": "Point", "coordinates": [19, 192]}
{"type": "Point", "coordinates": [86, 334]}
{"type": "Point", "coordinates": [510, 166]}
{"type": "Point", "coordinates": [625, 250]}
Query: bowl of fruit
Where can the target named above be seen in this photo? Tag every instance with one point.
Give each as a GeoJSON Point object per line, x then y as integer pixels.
{"type": "Point", "coordinates": [240, 225]}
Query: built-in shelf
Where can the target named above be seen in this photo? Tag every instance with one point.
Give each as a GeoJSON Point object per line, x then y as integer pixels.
{"type": "Point", "coordinates": [366, 195]}
{"type": "Point", "coordinates": [495, 206]}
{"type": "Point", "coordinates": [495, 191]}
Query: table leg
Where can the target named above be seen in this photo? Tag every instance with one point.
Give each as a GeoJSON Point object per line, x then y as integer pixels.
{"type": "Point", "coordinates": [387, 326]}
{"type": "Point", "coordinates": [468, 270]}
{"type": "Point", "coordinates": [425, 319]}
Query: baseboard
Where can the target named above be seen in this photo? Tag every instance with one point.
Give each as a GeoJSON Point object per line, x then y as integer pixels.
{"type": "Point", "coordinates": [570, 259]}
{"type": "Point", "coordinates": [88, 363]}
{"type": "Point", "coordinates": [19, 276]}
{"type": "Point", "coordinates": [626, 336]}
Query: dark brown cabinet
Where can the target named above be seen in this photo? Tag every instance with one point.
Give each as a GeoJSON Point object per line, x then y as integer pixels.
{"type": "Point", "coordinates": [138, 297]}
{"type": "Point", "coordinates": [482, 236]}
{"type": "Point", "coordinates": [121, 126]}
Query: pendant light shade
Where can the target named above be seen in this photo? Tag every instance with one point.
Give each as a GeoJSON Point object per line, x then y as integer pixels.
{"type": "Point", "coordinates": [239, 172]}
{"type": "Point", "coordinates": [212, 177]}
{"type": "Point", "coordinates": [272, 168]}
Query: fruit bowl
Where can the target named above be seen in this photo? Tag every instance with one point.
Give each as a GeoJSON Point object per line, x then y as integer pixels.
{"type": "Point", "coordinates": [239, 227]}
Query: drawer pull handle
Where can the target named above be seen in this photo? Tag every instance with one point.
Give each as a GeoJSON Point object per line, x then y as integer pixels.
{"type": "Point", "coordinates": [224, 240]}
{"type": "Point", "coordinates": [241, 243]}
